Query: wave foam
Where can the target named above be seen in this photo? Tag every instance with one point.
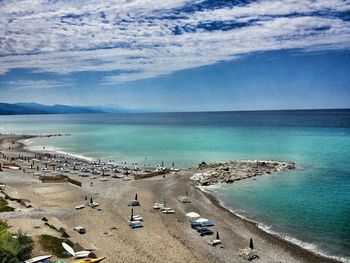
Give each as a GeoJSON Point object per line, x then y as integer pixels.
{"type": "Point", "coordinates": [54, 150]}
{"type": "Point", "coordinates": [268, 229]}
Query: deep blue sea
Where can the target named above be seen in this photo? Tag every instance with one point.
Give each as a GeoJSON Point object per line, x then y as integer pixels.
{"type": "Point", "coordinates": [309, 206]}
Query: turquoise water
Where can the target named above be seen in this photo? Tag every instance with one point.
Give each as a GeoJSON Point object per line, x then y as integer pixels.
{"type": "Point", "coordinates": [309, 206]}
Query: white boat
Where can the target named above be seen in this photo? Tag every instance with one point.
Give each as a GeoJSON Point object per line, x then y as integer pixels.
{"type": "Point", "coordinates": [38, 259]}
{"type": "Point", "coordinates": [79, 254]}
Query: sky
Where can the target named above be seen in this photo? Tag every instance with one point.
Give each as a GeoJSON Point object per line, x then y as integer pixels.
{"type": "Point", "coordinates": [176, 55]}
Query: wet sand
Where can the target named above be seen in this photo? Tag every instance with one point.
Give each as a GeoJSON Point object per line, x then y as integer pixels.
{"type": "Point", "coordinates": [164, 237]}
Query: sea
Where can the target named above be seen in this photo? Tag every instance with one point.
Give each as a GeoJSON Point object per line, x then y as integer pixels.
{"type": "Point", "coordinates": [309, 206]}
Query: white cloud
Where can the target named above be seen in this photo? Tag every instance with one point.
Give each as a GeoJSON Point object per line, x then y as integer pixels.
{"type": "Point", "coordinates": [19, 85]}
{"type": "Point", "coordinates": [136, 37]}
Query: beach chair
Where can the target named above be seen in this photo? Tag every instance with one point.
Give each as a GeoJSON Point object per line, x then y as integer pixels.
{"type": "Point", "coordinates": [136, 224]}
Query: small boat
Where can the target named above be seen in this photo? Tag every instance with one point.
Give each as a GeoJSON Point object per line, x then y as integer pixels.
{"type": "Point", "coordinates": [79, 254]}
{"type": "Point", "coordinates": [88, 260]}
{"type": "Point", "coordinates": [38, 259]}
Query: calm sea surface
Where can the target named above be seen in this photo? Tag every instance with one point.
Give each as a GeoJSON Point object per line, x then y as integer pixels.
{"type": "Point", "coordinates": [309, 206]}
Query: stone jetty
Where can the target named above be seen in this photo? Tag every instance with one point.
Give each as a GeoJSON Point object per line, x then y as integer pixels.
{"type": "Point", "coordinates": [229, 172]}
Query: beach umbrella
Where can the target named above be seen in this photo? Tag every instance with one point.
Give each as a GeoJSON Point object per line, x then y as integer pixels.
{"type": "Point", "coordinates": [217, 235]}
{"type": "Point", "coordinates": [192, 215]}
{"type": "Point", "coordinates": [173, 165]}
{"type": "Point", "coordinates": [86, 198]}
{"type": "Point", "coordinates": [91, 200]}
{"type": "Point", "coordinates": [251, 244]}
{"type": "Point", "coordinates": [202, 220]}
{"type": "Point", "coordinates": [132, 214]}
{"type": "Point", "coordinates": [136, 196]}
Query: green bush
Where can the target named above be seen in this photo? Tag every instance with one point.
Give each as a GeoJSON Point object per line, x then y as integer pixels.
{"type": "Point", "coordinates": [3, 226]}
{"type": "Point", "coordinates": [4, 207]}
{"type": "Point", "coordinates": [14, 249]}
{"type": "Point", "coordinates": [3, 202]}
{"type": "Point", "coordinates": [54, 245]}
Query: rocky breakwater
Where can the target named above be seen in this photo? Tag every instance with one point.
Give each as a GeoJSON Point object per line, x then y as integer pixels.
{"type": "Point", "coordinates": [229, 172]}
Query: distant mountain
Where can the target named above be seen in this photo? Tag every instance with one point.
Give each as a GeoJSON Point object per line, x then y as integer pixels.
{"type": "Point", "coordinates": [35, 108]}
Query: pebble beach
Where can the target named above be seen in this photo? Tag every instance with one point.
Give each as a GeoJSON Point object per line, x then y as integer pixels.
{"type": "Point", "coordinates": [163, 237]}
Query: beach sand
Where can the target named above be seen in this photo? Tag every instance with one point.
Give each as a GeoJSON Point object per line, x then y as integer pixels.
{"type": "Point", "coordinates": [164, 237]}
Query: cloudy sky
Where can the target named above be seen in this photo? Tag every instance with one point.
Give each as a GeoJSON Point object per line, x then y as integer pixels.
{"type": "Point", "coordinates": [178, 54]}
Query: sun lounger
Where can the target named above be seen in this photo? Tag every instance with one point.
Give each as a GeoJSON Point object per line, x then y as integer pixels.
{"type": "Point", "coordinates": [208, 223]}
{"type": "Point", "coordinates": [158, 206]}
{"type": "Point", "coordinates": [137, 218]}
{"type": "Point", "coordinates": [205, 231]}
{"type": "Point", "coordinates": [248, 254]}
{"type": "Point", "coordinates": [133, 203]}
{"type": "Point", "coordinates": [168, 211]}
{"type": "Point", "coordinates": [136, 224]}
{"type": "Point", "coordinates": [215, 242]}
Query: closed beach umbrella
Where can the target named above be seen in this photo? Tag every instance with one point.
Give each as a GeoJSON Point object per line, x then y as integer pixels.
{"type": "Point", "coordinates": [192, 215]}
{"type": "Point", "coordinates": [136, 196]}
{"type": "Point", "coordinates": [251, 244]}
{"type": "Point", "coordinates": [91, 200]}
{"type": "Point", "coordinates": [217, 235]}
{"type": "Point", "coordinates": [132, 215]}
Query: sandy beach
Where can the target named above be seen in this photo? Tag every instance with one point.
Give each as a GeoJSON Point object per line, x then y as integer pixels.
{"type": "Point", "coordinates": [163, 238]}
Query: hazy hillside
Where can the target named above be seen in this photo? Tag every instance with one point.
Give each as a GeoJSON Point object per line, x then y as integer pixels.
{"type": "Point", "coordinates": [35, 108]}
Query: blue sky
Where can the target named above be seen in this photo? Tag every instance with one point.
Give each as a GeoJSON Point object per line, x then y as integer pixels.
{"type": "Point", "coordinates": [177, 55]}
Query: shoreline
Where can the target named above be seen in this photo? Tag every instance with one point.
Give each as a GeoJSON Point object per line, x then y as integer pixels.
{"type": "Point", "coordinates": [318, 256]}
{"type": "Point", "coordinates": [300, 252]}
